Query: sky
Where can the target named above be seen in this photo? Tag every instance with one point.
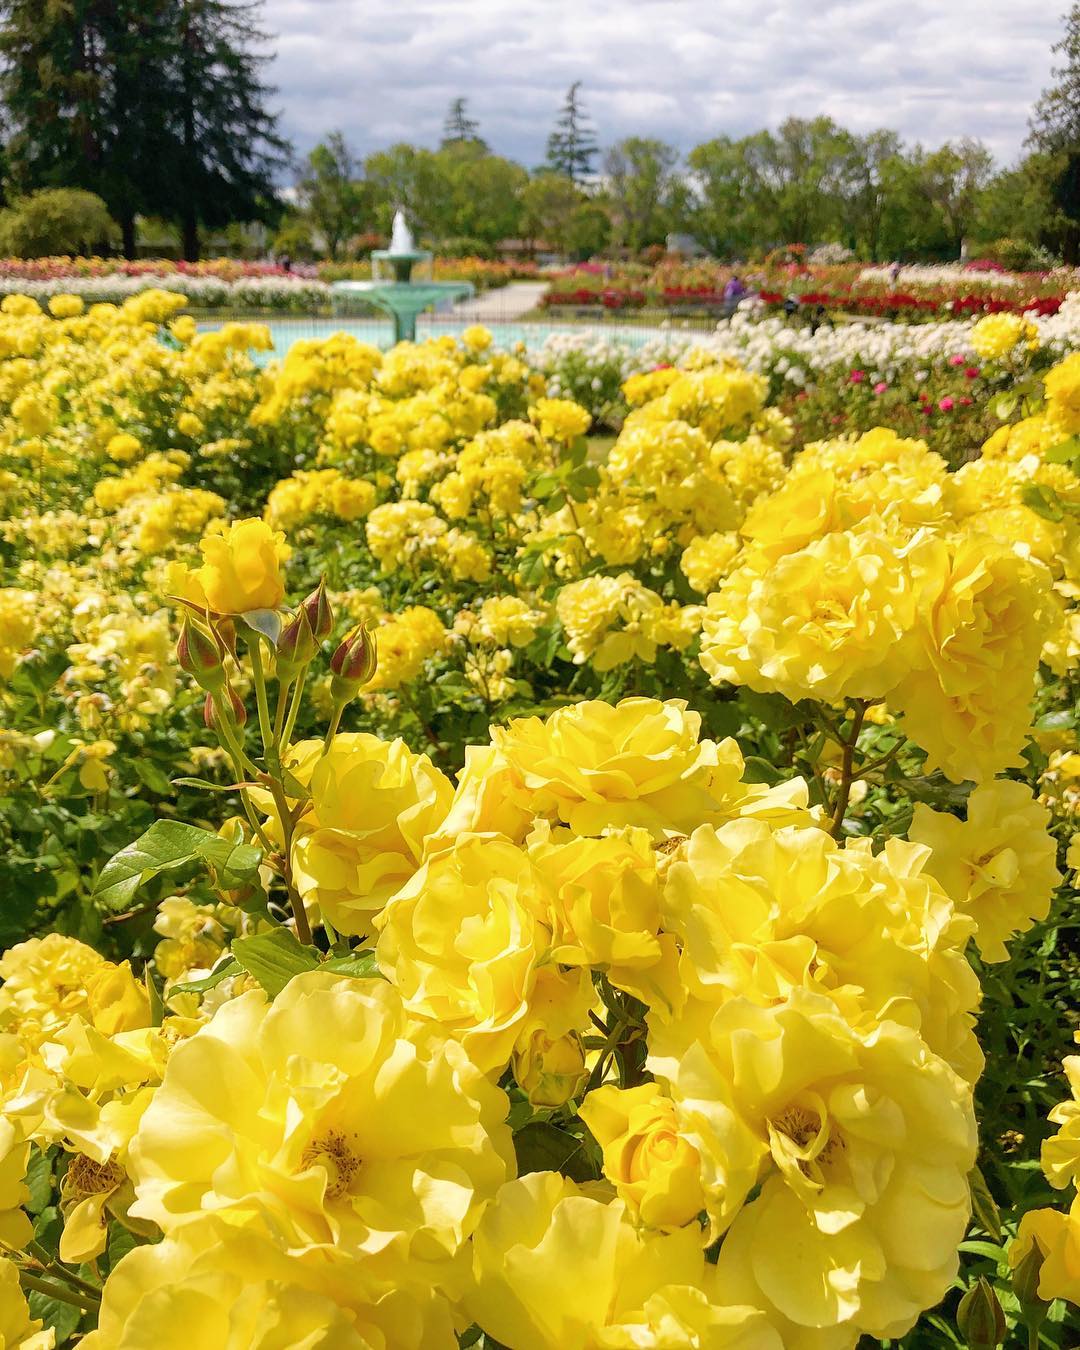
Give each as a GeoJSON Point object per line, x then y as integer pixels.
{"type": "Point", "coordinates": [681, 70]}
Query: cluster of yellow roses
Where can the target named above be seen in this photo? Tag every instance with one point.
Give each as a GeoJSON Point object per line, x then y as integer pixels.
{"type": "Point", "coordinates": [608, 1039]}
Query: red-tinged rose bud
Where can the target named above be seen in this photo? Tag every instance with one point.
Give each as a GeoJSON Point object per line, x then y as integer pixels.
{"type": "Point", "coordinates": [230, 701]}
{"type": "Point", "coordinates": [200, 656]}
{"type": "Point", "coordinates": [353, 664]}
{"type": "Point", "coordinates": [320, 615]}
{"type": "Point", "coordinates": [296, 646]}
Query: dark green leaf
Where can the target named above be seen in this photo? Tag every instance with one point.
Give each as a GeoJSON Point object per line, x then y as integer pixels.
{"type": "Point", "coordinates": [167, 846]}
{"type": "Point", "coordinates": [274, 958]}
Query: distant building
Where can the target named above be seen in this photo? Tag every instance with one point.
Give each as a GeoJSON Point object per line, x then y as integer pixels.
{"type": "Point", "coordinates": [686, 246]}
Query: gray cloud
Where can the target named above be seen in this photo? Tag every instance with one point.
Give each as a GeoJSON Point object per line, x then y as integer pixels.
{"type": "Point", "coordinates": [683, 70]}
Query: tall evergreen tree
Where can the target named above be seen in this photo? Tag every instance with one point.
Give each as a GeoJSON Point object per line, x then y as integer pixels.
{"type": "Point", "coordinates": [84, 93]}
{"type": "Point", "coordinates": [1055, 133]}
{"type": "Point", "coordinates": [572, 146]}
{"type": "Point", "coordinates": [225, 147]}
{"type": "Point", "coordinates": [459, 128]}
{"type": "Point", "coordinates": [158, 106]}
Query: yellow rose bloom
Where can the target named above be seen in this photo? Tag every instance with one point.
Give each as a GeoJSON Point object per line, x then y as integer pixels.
{"type": "Point", "coordinates": [861, 1143]}
{"type": "Point", "coordinates": [216, 1287]}
{"type": "Point", "coordinates": [760, 911]}
{"type": "Point", "coordinates": [828, 622]}
{"type": "Point", "coordinates": [241, 568]}
{"type": "Point", "coordinates": [554, 1263]}
{"type": "Point", "coordinates": [1061, 1152]}
{"type": "Point", "coordinates": [983, 613]}
{"type": "Point", "coordinates": [995, 335]}
{"type": "Point", "coordinates": [999, 866]}
{"type": "Point", "coordinates": [328, 1118]}
{"type": "Point", "coordinates": [654, 1169]}
{"type": "Point", "coordinates": [462, 940]}
{"type": "Point", "coordinates": [595, 766]}
{"type": "Point", "coordinates": [373, 804]}
{"type": "Point", "coordinates": [1056, 1237]}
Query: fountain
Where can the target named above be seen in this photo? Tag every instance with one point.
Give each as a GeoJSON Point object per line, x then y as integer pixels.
{"type": "Point", "coordinates": [400, 296]}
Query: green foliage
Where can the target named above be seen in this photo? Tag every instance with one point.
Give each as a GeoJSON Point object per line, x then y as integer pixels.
{"type": "Point", "coordinates": [56, 221]}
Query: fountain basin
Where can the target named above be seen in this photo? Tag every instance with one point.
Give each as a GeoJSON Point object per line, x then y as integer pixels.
{"type": "Point", "coordinates": [402, 300]}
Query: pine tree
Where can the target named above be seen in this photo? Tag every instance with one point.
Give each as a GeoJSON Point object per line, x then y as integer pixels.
{"type": "Point", "coordinates": [459, 128]}
{"type": "Point", "coordinates": [1055, 134]}
{"type": "Point", "coordinates": [572, 145]}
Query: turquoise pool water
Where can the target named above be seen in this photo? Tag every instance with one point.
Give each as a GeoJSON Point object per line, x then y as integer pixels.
{"type": "Point", "coordinates": [289, 330]}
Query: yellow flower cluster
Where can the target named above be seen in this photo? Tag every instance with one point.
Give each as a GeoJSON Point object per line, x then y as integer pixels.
{"type": "Point", "coordinates": [995, 335]}
{"type": "Point", "coordinates": [855, 580]}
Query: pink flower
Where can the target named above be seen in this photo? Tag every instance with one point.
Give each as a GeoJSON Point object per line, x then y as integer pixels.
{"type": "Point", "coordinates": [956, 359]}
{"type": "Point", "coordinates": [880, 387]}
{"type": "Point", "coordinates": [857, 376]}
{"type": "Point", "coordinates": [945, 404]}
{"type": "Point", "coordinates": [972, 373]}
{"type": "Point", "coordinates": [966, 402]}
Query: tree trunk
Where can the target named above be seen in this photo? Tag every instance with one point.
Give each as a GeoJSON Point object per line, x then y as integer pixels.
{"type": "Point", "coordinates": [127, 231]}
{"type": "Point", "coordinates": [189, 227]}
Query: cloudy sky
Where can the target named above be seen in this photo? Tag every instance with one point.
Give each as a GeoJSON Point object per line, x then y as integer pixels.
{"type": "Point", "coordinates": [683, 70]}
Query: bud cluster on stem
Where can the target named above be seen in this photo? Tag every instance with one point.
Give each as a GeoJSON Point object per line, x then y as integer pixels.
{"type": "Point", "coordinates": [208, 643]}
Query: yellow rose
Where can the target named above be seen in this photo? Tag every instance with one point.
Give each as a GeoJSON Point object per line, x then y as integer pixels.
{"type": "Point", "coordinates": [597, 767]}
{"type": "Point", "coordinates": [461, 942]}
{"type": "Point", "coordinates": [983, 613]}
{"type": "Point", "coordinates": [999, 866]}
{"type": "Point", "coordinates": [1056, 1237]}
{"type": "Point", "coordinates": [549, 1055]}
{"type": "Point", "coordinates": [1061, 1152]}
{"type": "Point", "coordinates": [241, 568]}
{"type": "Point", "coordinates": [373, 805]}
{"type": "Point", "coordinates": [554, 1263]}
{"type": "Point", "coordinates": [759, 912]}
{"type": "Point", "coordinates": [845, 1132]}
{"type": "Point", "coordinates": [654, 1169]}
{"type": "Point", "coordinates": [329, 1118]}
{"type": "Point", "coordinates": [216, 1287]}
{"type": "Point", "coordinates": [829, 621]}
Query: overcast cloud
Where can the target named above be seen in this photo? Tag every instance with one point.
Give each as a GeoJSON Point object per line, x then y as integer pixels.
{"type": "Point", "coordinates": [682, 70]}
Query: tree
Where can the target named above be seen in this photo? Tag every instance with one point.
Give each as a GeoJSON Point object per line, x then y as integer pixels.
{"type": "Point", "coordinates": [87, 100]}
{"type": "Point", "coordinates": [55, 221]}
{"type": "Point", "coordinates": [333, 197]}
{"type": "Point", "coordinates": [226, 150]}
{"type": "Point", "coordinates": [549, 201]}
{"type": "Point", "coordinates": [459, 127]}
{"type": "Point", "coordinates": [572, 147]}
{"type": "Point", "coordinates": [1055, 134]}
{"type": "Point", "coordinates": [641, 182]}
{"type": "Point", "coordinates": [156, 105]}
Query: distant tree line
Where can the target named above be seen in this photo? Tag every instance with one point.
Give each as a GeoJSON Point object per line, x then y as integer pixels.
{"type": "Point", "coordinates": [161, 108]}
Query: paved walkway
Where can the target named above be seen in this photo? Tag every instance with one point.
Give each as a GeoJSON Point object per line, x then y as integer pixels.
{"type": "Point", "coordinates": [505, 303]}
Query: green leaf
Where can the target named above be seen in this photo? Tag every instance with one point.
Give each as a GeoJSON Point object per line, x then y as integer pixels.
{"type": "Point", "coordinates": [543, 1147]}
{"type": "Point", "coordinates": [936, 790]}
{"type": "Point", "coordinates": [223, 969]}
{"type": "Point", "coordinates": [362, 965]}
{"type": "Point", "coordinates": [1043, 501]}
{"type": "Point", "coordinates": [121, 1241]}
{"type": "Point", "coordinates": [153, 994]}
{"type": "Point", "coordinates": [265, 622]}
{"type": "Point", "coordinates": [167, 846]}
{"type": "Point", "coordinates": [62, 1317]}
{"type": "Point", "coordinates": [1003, 405]}
{"type": "Point", "coordinates": [38, 1180]}
{"type": "Point", "coordinates": [983, 1205]}
{"type": "Point", "coordinates": [274, 958]}
{"type": "Point", "coordinates": [204, 785]}
{"type": "Point", "coordinates": [1064, 452]}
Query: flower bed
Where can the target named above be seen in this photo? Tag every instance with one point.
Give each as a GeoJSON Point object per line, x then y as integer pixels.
{"type": "Point", "coordinates": [469, 880]}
